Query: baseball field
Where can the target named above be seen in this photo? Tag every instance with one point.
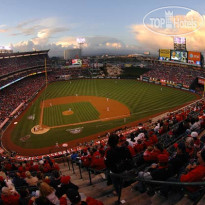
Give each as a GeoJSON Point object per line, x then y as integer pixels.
{"type": "Point", "coordinates": [70, 111]}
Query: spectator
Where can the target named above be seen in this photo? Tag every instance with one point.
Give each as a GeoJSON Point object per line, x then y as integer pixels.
{"type": "Point", "coordinates": [180, 159]}
{"type": "Point", "coordinates": [65, 184]}
{"type": "Point", "coordinates": [9, 197]}
{"type": "Point", "coordinates": [117, 160]}
{"type": "Point", "coordinates": [195, 173]}
{"type": "Point", "coordinates": [160, 171]}
{"type": "Point", "coordinates": [31, 181]}
{"type": "Point", "coordinates": [18, 181]}
{"type": "Point", "coordinates": [75, 199]}
{"type": "Point", "coordinates": [49, 193]}
{"type": "Point", "coordinates": [24, 196]}
{"type": "Point", "coordinates": [56, 179]}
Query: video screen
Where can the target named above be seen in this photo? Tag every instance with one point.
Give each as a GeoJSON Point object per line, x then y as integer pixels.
{"type": "Point", "coordinates": [194, 57]}
{"type": "Point", "coordinates": [76, 62]}
{"type": "Point", "coordinates": [164, 54]}
{"type": "Point", "coordinates": [179, 56]}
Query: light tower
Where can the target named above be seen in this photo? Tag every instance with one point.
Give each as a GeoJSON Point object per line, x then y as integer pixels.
{"type": "Point", "coordinates": [80, 42]}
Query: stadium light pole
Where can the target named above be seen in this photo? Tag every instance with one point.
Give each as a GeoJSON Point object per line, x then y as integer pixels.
{"type": "Point", "coordinates": [46, 73]}
{"type": "Point", "coordinates": [80, 42]}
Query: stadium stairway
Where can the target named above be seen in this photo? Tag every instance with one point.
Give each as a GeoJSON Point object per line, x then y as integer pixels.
{"type": "Point", "coordinates": [103, 192]}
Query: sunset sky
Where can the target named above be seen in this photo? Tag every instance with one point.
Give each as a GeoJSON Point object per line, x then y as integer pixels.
{"type": "Point", "coordinates": [114, 26]}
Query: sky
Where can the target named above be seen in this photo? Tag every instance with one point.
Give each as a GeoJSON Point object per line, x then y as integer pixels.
{"type": "Point", "coordinates": [108, 26]}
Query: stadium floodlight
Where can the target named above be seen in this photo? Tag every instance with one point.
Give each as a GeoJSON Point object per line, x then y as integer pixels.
{"type": "Point", "coordinates": [80, 40]}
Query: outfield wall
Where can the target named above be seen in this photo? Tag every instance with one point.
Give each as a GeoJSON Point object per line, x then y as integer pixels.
{"type": "Point", "coordinates": [164, 83]}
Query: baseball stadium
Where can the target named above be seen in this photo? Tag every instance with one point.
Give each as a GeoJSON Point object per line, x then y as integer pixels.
{"type": "Point", "coordinates": [78, 110]}
{"type": "Point", "coordinates": [115, 117]}
{"type": "Point", "coordinates": [50, 111]}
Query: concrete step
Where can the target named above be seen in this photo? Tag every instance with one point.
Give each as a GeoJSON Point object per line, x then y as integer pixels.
{"type": "Point", "coordinates": [202, 201]}
{"type": "Point", "coordinates": [97, 190]}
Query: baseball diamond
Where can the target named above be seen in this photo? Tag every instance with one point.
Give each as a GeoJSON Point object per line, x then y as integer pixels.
{"type": "Point", "coordinates": [99, 105]}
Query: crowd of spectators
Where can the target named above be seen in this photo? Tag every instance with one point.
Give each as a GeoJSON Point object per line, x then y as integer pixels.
{"type": "Point", "coordinates": [12, 96]}
{"type": "Point", "coordinates": [38, 182]}
{"type": "Point", "coordinates": [123, 145]}
{"type": "Point", "coordinates": [10, 65]}
{"type": "Point", "coordinates": [174, 74]}
{"type": "Point", "coordinates": [143, 139]}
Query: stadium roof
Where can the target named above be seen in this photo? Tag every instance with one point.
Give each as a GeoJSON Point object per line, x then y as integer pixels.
{"type": "Point", "coordinates": [21, 54]}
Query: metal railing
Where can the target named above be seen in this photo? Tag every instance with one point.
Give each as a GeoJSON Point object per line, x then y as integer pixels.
{"type": "Point", "coordinates": [126, 176]}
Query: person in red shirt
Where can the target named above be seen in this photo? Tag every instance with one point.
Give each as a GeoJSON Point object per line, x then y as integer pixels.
{"type": "Point", "coordinates": [35, 167]}
{"type": "Point", "coordinates": [46, 167]}
{"type": "Point", "coordinates": [196, 173]}
{"type": "Point", "coordinates": [147, 154]}
{"type": "Point", "coordinates": [9, 197]}
{"type": "Point", "coordinates": [86, 159]}
{"type": "Point", "coordinates": [158, 149]}
{"type": "Point", "coordinates": [139, 147]}
{"type": "Point", "coordinates": [98, 161]}
{"type": "Point", "coordinates": [153, 138]}
{"type": "Point", "coordinates": [8, 166]}
{"type": "Point", "coordinates": [147, 141]}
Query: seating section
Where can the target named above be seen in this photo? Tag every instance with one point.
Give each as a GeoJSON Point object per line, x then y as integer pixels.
{"type": "Point", "coordinates": [174, 74]}
{"type": "Point", "coordinates": [12, 96]}
{"type": "Point", "coordinates": [20, 62]}
{"type": "Point", "coordinates": [143, 143]}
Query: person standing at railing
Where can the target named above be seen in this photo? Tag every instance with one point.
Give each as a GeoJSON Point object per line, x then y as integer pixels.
{"type": "Point", "coordinates": [117, 160]}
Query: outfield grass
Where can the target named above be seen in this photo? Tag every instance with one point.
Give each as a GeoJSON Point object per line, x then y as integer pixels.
{"type": "Point", "coordinates": [141, 98]}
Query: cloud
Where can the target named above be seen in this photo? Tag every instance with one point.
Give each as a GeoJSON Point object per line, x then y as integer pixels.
{"type": "Point", "coordinates": [26, 23]}
{"type": "Point", "coordinates": [39, 30]}
{"type": "Point", "coordinates": [93, 46]}
{"type": "Point", "coordinates": [2, 28]}
{"type": "Point", "coordinates": [153, 41]}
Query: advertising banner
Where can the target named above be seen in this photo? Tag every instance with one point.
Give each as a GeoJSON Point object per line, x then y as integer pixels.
{"type": "Point", "coordinates": [164, 54]}
{"type": "Point", "coordinates": [194, 57]}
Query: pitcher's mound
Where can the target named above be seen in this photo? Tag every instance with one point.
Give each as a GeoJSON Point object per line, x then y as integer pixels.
{"type": "Point", "coordinates": [68, 112]}
{"type": "Point", "coordinates": [37, 130]}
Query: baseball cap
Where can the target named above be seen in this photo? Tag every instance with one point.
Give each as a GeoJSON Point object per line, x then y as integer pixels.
{"type": "Point", "coordinates": [194, 134]}
{"type": "Point", "coordinates": [65, 179]}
